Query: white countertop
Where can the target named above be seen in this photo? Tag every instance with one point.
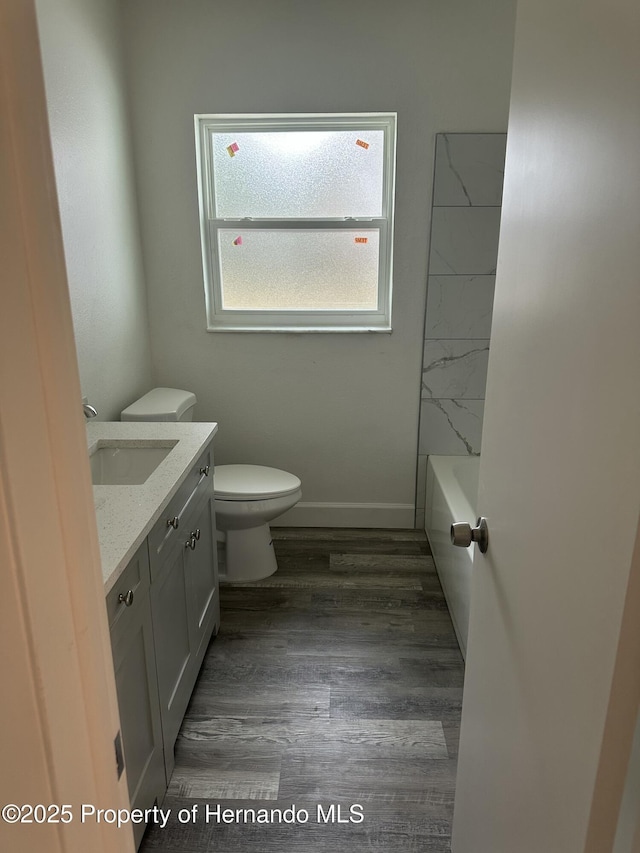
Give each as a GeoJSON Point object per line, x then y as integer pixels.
{"type": "Point", "coordinates": [126, 514]}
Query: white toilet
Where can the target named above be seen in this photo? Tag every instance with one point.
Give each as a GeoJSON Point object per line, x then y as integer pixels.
{"type": "Point", "coordinates": [247, 497]}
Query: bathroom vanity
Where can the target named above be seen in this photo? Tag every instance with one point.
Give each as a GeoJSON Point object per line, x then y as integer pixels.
{"type": "Point", "coordinates": [159, 562]}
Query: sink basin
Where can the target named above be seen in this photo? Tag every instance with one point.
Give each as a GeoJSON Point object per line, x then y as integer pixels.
{"type": "Point", "coordinates": [119, 464]}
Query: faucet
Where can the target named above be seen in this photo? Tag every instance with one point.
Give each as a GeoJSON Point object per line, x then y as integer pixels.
{"type": "Point", "coordinates": [89, 411]}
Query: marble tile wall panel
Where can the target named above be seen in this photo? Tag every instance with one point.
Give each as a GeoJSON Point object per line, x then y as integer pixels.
{"type": "Point", "coordinates": [450, 427]}
{"type": "Point", "coordinates": [469, 169]}
{"type": "Point", "coordinates": [467, 194]}
{"type": "Point", "coordinates": [455, 369]}
{"type": "Point", "coordinates": [464, 240]}
{"type": "Point", "coordinates": [459, 306]}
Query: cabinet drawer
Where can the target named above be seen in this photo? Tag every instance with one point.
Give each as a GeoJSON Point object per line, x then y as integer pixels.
{"type": "Point", "coordinates": [133, 585]}
{"type": "Point", "coordinates": [164, 536]}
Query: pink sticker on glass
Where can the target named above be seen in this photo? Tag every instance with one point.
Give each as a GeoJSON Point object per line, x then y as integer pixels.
{"type": "Point", "coordinates": [237, 241]}
{"type": "Point", "coordinates": [233, 148]}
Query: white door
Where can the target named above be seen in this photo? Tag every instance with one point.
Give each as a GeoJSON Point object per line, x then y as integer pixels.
{"type": "Point", "coordinates": [59, 709]}
{"type": "Point", "coordinates": [553, 668]}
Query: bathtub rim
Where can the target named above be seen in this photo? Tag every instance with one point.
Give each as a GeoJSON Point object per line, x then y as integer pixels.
{"type": "Point", "coordinates": [440, 471]}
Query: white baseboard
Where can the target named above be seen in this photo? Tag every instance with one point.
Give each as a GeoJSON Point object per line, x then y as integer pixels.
{"type": "Point", "coordinates": [347, 515]}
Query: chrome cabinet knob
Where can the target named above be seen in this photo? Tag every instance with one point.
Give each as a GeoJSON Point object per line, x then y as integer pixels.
{"type": "Point", "coordinates": [126, 598]}
{"type": "Point", "coordinates": [173, 522]}
{"type": "Point", "coordinates": [194, 536]}
{"type": "Point", "coordinates": [205, 470]}
{"type": "Point", "coordinates": [462, 534]}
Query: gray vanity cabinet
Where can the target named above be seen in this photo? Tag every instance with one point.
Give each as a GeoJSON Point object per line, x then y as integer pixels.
{"type": "Point", "coordinates": [162, 611]}
{"type": "Point", "coordinates": [134, 661]}
{"type": "Point", "coordinates": [184, 596]}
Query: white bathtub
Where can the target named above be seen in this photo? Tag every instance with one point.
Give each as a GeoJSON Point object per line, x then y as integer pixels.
{"type": "Point", "coordinates": [452, 490]}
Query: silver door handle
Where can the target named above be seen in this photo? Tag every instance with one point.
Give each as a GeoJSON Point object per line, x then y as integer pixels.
{"type": "Point", "coordinates": [463, 534]}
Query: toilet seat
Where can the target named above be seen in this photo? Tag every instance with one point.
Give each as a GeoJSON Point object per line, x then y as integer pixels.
{"type": "Point", "coordinates": [252, 483]}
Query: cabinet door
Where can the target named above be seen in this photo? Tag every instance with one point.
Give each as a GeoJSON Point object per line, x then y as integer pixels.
{"type": "Point", "coordinates": [185, 608]}
{"type": "Point", "coordinates": [202, 580]}
{"type": "Point", "coordinates": [134, 663]}
{"type": "Point", "coordinates": [174, 650]}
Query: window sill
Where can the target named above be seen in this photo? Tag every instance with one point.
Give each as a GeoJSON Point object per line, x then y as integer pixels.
{"type": "Point", "coordinates": [303, 330]}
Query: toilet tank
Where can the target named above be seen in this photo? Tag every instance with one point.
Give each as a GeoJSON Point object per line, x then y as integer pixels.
{"type": "Point", "coordinates": [161, 404]}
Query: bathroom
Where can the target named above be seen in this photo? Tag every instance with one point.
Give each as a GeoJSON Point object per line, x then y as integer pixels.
{"type": "Point", "coordinates": [136, 281]}
{"type": "Point", "coordinates": [342, 411]}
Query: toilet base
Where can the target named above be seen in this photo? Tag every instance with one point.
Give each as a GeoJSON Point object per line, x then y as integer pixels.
{"type": "Point", "coordinates": [249, 555]}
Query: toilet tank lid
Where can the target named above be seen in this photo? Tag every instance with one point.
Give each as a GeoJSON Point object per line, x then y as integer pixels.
{"type": "Point", "coordinates": [158, 403]}
{"type": "Point", "coordinates": [252, 482]}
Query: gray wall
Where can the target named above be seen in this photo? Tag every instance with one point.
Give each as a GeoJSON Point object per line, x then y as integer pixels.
{"type": "Point", "coordinates": [341, 411]}
{"type": "Point", "coordinates": [86, 95]}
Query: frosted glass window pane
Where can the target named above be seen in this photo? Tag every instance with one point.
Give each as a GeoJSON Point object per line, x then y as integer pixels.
{"type": "Point", "coordinates": [298, 174]}
{"type": "Point", "coordinates": [284, 270]}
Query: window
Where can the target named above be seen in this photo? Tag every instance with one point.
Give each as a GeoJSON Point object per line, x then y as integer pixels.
{"type": "Point", "coordinates": [296, 220]}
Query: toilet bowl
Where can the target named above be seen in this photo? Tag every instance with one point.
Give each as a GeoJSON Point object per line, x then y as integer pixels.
{"type": "Point", "coordinates": [246, 497]}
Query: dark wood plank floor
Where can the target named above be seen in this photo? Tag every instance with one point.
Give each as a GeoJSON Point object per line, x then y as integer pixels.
{"type": "Point", "coordinates": [337, 680]}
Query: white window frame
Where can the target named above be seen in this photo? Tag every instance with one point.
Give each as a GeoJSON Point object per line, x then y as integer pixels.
{"type": "Point", "coordinates": [221, 319]}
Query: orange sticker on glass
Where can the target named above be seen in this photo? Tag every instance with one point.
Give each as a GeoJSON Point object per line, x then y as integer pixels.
{"type": "Point", "coordinates": [233, 148]}
{"type": "Point", "coordinates": [237, 241]}
{"type": "Point", "coordinates": [362, 143]}
{"type": "Point", "coordinates": [362, 239]}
